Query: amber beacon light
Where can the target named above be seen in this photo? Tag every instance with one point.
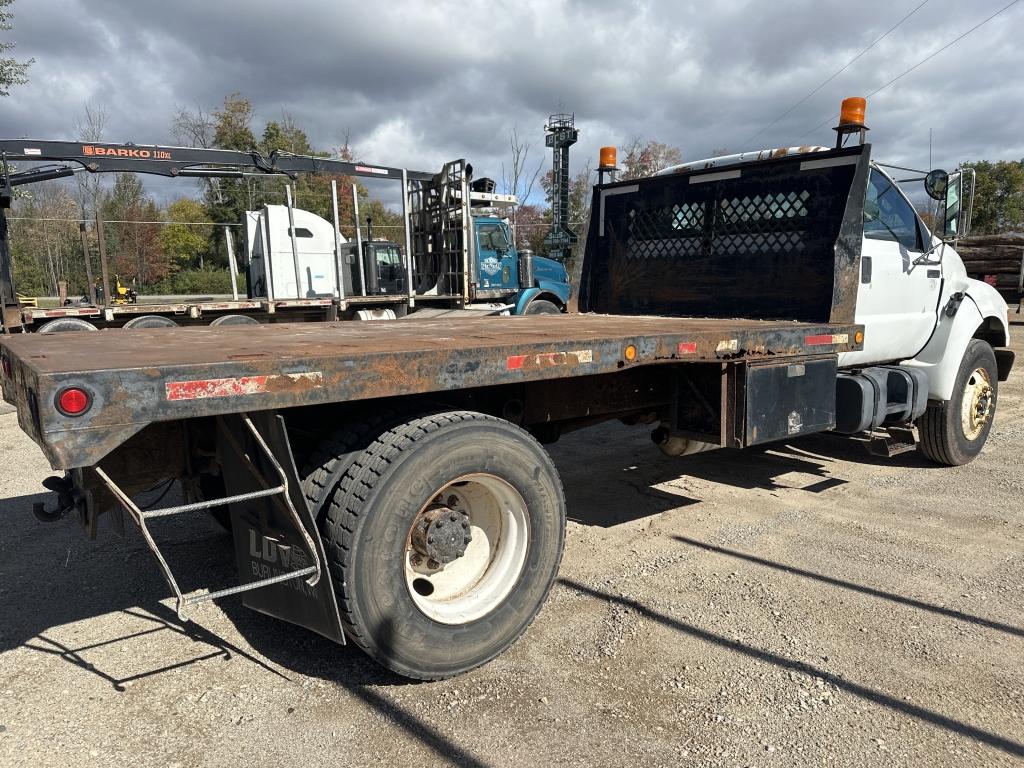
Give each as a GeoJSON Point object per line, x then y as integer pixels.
{"type": "Point", "coordinates": [851, 119]}
{"type": "Point", "coordinates": [852, 111]}
{"type": "Point", "coordinates": [606, 168]}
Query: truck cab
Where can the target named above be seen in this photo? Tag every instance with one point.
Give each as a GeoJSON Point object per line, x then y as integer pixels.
{"type": "Point", "coordinates": [913, 295]}
{"type": "Point", "coordinates": [532, 284]}
{"type": "Point", "coordinates": [504, 277]}
{"type": "Point", "coordinates": [383, 270]}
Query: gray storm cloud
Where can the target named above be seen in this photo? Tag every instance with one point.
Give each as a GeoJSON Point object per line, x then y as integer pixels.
{"type": "Point", "coordinates": [416, 83]}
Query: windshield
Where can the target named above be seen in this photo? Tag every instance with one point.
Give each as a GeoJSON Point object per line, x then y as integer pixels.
{"type": "Point", "coordinates": [388, 255]}
{"type": "Point", "coordinates": [887, 214]}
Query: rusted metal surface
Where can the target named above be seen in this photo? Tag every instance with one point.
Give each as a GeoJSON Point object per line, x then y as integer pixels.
{"type": "Point", "coordinates": [42, 315]}
{"type": "Point", "coordinates": [168, 374]}
{"type": "Point", "coordinates": [848, 246]}
{"type": "Point", "coordinates": [182, 311]}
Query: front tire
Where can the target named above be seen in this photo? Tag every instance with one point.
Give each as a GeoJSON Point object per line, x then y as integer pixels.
{"type": "Point", "coordinates": [444, 537]}
{"type": "Point", "coordinates": [542, 307]}
{"type": "Point", "coordinates": [953, 432]}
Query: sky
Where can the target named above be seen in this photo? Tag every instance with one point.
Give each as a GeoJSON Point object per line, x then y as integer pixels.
{"type": "Point", "coordinates": [417, 83]}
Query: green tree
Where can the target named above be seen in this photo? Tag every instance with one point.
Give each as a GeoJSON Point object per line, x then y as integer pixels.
{"type": "Point", "coordinates": [185, 239]}
{"type": "Point", "coordinates": [131, 226]}
{"type": "Point", "coordinates": [285, 136]}
{"type": "Point", "coordinates": [45, 244]}
{"type": "Point", "coordinates": [12, 71]}
{"type": "Point", "coordinates": [233, 124]}
{"type": "Point", "coordinates": [998, 197]}
{"type": "Point", "coordinates": [227, 200]}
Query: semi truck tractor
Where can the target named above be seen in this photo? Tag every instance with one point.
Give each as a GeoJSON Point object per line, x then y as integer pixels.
{"type": "Point", "coordinates": [456, 252]}
{"type": "Point", "coordinates": [387, 484]}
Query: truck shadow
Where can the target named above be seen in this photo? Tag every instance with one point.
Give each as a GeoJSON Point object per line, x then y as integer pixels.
{"type": "Point", "coordinates": [53, 577]}
{"type": "Point", "coordinates": [854, 587]}
{"type": "Point", "coordinates": [952, 725]}
{"type": "Point", "coordinates": [40, 592]}
{"type": "Point", "coordinates": [50, 577]}
{"type": "Point", "coordinates": [626, 459]}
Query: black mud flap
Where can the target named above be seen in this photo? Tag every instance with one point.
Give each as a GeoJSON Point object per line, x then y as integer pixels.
{"type": "Point", "coordinates": [266, 541]}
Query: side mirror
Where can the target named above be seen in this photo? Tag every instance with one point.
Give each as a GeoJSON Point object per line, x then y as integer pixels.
{"type": "Point", "coordinates": [952, 198]}
{"type": "Point", "coordinates": [935, 184]}
{"type": "Point", "coordinates": [956, 194]}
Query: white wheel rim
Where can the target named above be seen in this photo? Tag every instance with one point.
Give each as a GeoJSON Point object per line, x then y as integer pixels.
{"type": "Point", "coordinates": [977, 404]}
{"type": "Point", "coordinates": [476, 583]}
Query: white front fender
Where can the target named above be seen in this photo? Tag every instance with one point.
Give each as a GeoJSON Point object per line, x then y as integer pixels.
{"type": "Point", "coordinates": [941, 357]}
{"type": "Point", "coordinates": [991, 305]}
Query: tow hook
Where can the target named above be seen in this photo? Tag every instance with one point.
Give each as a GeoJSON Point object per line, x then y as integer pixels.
{"type": "Point", "coordinates": [954, 303]}
{"type": "Point", "coordinates": [65, 500]}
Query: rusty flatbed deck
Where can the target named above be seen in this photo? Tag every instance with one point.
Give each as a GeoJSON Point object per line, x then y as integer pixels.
{"type": "Point", "coordinates": [145, 376]}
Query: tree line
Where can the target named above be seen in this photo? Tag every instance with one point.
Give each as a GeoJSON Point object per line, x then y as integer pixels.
{"type": "Point", "coordinates": [178, 246]}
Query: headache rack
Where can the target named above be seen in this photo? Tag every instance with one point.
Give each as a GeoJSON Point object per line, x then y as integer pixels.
{"type": "Point", "coordinates": [770, 239]}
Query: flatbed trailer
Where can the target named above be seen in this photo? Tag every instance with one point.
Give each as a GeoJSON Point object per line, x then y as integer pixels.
{"type": "Point", "coordinates": [198, 312]}
{"type": "Point", "coordinates": [387, 483]}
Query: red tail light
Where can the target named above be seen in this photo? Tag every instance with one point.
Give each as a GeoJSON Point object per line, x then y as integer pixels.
{"type": "Point", "coordinates": [73, 401]}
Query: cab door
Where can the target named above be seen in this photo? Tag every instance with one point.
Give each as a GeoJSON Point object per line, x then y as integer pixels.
{"type": "Point", "coordinates": [898, 295]}
{"type": "Point", "coordinates": [495, 257]}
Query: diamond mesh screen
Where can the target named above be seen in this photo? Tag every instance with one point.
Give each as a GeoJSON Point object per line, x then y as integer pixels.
{"type": "Point", "coordinates": [761, 245]}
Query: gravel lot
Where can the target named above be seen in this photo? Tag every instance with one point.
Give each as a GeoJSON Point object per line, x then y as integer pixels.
{"type": "Point", "coordinates": [805, 606]}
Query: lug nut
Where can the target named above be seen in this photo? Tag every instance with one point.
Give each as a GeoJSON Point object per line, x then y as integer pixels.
{"type": "Point", "coordinates": [417, 560]}
{"type": "Point", "coordinates": [433, 564]}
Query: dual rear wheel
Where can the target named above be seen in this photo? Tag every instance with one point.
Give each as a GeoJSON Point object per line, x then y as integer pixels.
{"type": "Point", "coordinates": [443, 534]}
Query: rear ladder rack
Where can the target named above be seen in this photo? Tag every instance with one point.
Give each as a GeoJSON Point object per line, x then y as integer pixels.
{"type": "Point", "coordinates": [140, 516]}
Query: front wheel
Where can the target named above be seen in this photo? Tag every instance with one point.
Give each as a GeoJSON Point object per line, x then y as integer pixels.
{"type": "Point", "coordinates": [542, 307]}
{"type": "Point", "coordinates": [444, 536]}
{"type": "Point", "coordinates": [954, 432]}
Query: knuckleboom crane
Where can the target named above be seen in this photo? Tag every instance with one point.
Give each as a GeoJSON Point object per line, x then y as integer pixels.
{"type": "Point", "coordinates": [70, 158]}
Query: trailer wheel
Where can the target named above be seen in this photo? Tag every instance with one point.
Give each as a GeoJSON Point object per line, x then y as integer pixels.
{"type": "Point", "coordinates": [542, 307]}
{"type": "Point", "coordinates": [443, 538]}
{"type": "Point", "coordinates": [954, 432]}
{"type": "Point", "coordinates": [150, 321]}
{"type": "Point", "coordinates": [234, 320]}
{"type": "Point", "coordinates": [62, 324]}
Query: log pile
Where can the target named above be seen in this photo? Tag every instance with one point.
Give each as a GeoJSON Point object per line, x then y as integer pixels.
{"type": "Point", "coordinates": [999, 258]}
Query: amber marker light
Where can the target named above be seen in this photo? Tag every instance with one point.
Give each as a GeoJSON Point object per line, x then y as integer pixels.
{"type": "Point", "coordinates": [630, 353]}
{"type": "Point", "coordinates": [607, 157]}
{"type": "Point", "coordinates": [858, 337]}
